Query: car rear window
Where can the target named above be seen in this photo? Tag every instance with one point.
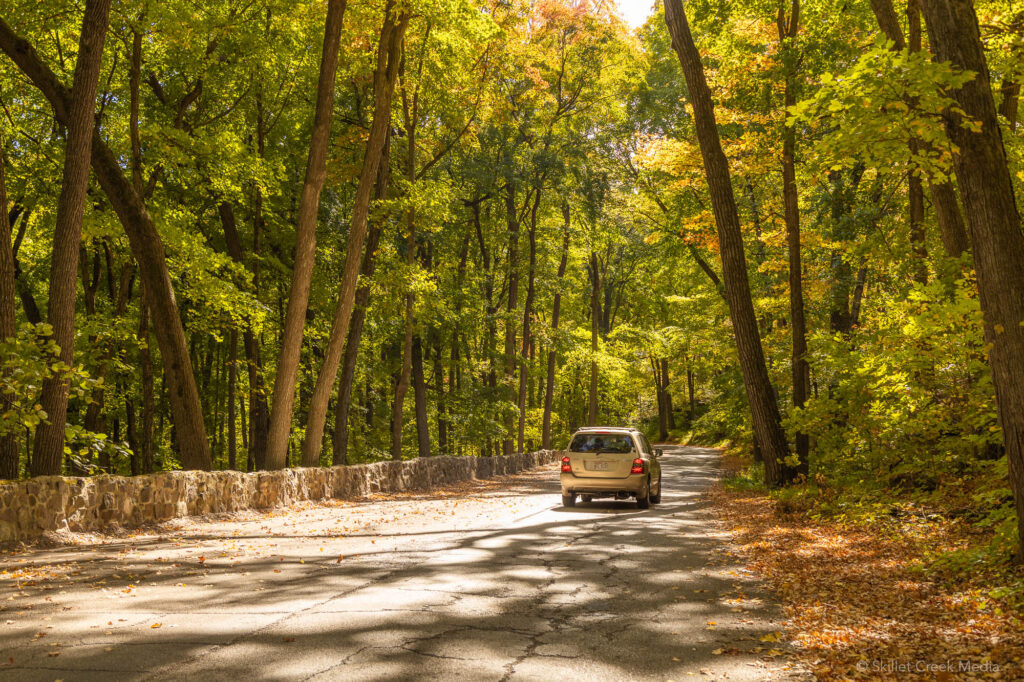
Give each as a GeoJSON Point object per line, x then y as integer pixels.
{"type": "Point", "coordinates": [601, 442]}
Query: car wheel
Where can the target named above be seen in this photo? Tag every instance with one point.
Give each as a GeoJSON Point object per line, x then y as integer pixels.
{"type": "Point", "coordinates": [586, 498]}
{"type": "Point", "coordinates": [569, 500]}
{"type": "Point", "coordinates": [656, 499]}
{"type": "Point", "coordinates": [644, 502]}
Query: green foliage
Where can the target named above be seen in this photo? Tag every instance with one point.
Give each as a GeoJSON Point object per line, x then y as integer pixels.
{"type": "Point", "coordinates": [555, 105]}
{"type": "Point", "coordinates": [872, 112]}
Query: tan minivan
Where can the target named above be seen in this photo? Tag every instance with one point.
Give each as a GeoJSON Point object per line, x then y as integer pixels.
{"type": "Point", "coordinates": [609, 461]}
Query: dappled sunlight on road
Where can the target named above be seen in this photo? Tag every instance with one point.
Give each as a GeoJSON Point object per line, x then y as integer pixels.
{"type": "Point", "coordinates": [497, 582]}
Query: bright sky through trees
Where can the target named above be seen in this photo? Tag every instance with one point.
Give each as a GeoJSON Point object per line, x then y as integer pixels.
{"type": "Point", "coordinates": [635, 12]}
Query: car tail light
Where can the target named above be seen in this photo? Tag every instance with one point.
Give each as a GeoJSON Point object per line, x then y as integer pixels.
{"type": "Point", "coordinates": [566, 467]}
{"type": "Point", "coordinates": [638, 466]}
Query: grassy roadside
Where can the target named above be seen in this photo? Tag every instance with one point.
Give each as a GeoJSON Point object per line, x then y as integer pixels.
{"type": "Point", "coordinates": [903, 594]}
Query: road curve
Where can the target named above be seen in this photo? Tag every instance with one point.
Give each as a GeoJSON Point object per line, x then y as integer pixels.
{"type": "Point", "coordinates": [496, 581]}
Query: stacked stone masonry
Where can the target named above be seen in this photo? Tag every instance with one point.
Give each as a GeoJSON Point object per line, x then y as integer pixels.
{"type": "Point", "coordinates": [29, 509]}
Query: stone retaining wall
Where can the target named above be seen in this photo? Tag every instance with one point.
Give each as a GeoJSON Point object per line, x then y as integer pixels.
{"type": "Point", "coordinates": [28, 509]}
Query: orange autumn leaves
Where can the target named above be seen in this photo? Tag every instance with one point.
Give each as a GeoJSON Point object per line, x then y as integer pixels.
{"type": "Point", "coordinates": [857, 596]}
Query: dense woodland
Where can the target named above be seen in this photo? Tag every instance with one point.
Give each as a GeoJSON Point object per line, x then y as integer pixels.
{"type": "Point", "coordinates": [253, 234]}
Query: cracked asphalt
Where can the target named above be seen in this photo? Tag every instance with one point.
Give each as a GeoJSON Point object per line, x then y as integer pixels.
{"type": "Point", "coordinates": [492, 580]}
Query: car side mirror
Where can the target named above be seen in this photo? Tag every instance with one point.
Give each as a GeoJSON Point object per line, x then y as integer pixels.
{"type": "Point", "coordinates": [658, 452]}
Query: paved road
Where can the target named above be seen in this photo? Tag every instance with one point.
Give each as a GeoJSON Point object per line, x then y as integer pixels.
{"type": "Point", "coordinates": [494, 581]}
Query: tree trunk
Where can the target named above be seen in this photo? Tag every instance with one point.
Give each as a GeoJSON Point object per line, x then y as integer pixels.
{"type": "Point", "coordinates": [420, 399]}
{"type": "Point", "coordinates": [983, 175]}
{"type": "Point", "coordinates": [1011, 102]}
{"type": "Point", "coordinates": [119, 299]}
{"type": "Point", "coordinates": [659, 392]}
{"type": "Point", "coordinates": [410, 110]}
{"type": "Point", "coordinates": [28, 301]}
{"type": "Point", "coordinates": [147, 248]}
{"type": "Point", "coordinates": [232, 378]}
{"type": "Point", "coordinates": [595, 322]}
{"type": "Point", "coordinates": [446, 404]}
{"type": "Point", "coordinates": [549, 389]}
{"type": "Point", "coordinates": [259, 413]}
{"type": "Point", "coordinates": [442, 418]}
{"type": "Point", "coordinates": [305, 244]}
{"type": "Point", "coordinates": [763, 406]}
{"type": "Point", "coordinates": [524, 371]}
{"type": "Point", "coordinates": [8, 323]}
{"type": "Point", "coordinates": [355, 332]}
{"type": "Point", "coordinates": [858, 295]}
{"type": "Point", "coordinates": [244, 431]}
{"type": "Point", "coordinates": [405, 370]}
{"type": "Point", "coordinates": [670, 419]}
{"type": "Point", "coordinates": [48, 452]}
{"type": "Point", "coordinates": [388, 56]}
{"type": "Point", "coordinates": [801, 372]}
{"type": "Point", "coordinates": [146, 367]}
{"type": "Point", "coordinates": [490, 376]}
{"type": "Point", "coordinates": [401, 387]}
{"type": "Point", "coordinates": [839, 315]}
{"type": "Point", "coordinates": [513, 303]}
{"type": "Point", "coordinates": [690, 393]}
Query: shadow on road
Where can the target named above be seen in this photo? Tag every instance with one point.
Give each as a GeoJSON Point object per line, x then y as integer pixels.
{"type": "Point", "coordinates": [603, 589]}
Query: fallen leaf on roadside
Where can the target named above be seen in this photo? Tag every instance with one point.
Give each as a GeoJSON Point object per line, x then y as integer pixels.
{"type": "Point", "coordinates": [155, 625]}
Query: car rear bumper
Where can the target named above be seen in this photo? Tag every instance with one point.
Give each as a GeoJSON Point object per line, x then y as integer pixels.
{"type": "Point", "coordinates": [632, 484]}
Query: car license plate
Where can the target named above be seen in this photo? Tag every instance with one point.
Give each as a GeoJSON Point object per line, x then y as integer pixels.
{"type": "Point", "coordinates": [598, 466]}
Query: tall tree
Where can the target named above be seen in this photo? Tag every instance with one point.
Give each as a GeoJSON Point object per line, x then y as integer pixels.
{"type": "Point", "coordinates": [556, 309]}
{"type": "Point", "coordinates": [788, 28]}
{"type": "Point", "coordinates": [388, 57]}
{"type": "Point", "coordinates": [764, 408]}
{"type": "Point", "coordinates": [48, 447]}
{"type": "Point", "coordinates": [8, 322]}
{"type": "Point", "coordinates": [983, 173]}
{"type": "Point", "coordinates": [279, 428]}
{"type": "Point", "coordinates": [512, 220]}
{"type": "Point", "coordinates": [595, 331]}
{"type": "Point", "coordinates": [355, 330]}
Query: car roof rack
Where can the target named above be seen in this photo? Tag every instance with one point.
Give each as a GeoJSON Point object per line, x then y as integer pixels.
{"type": "Point", "coordinates": [629, 429]}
